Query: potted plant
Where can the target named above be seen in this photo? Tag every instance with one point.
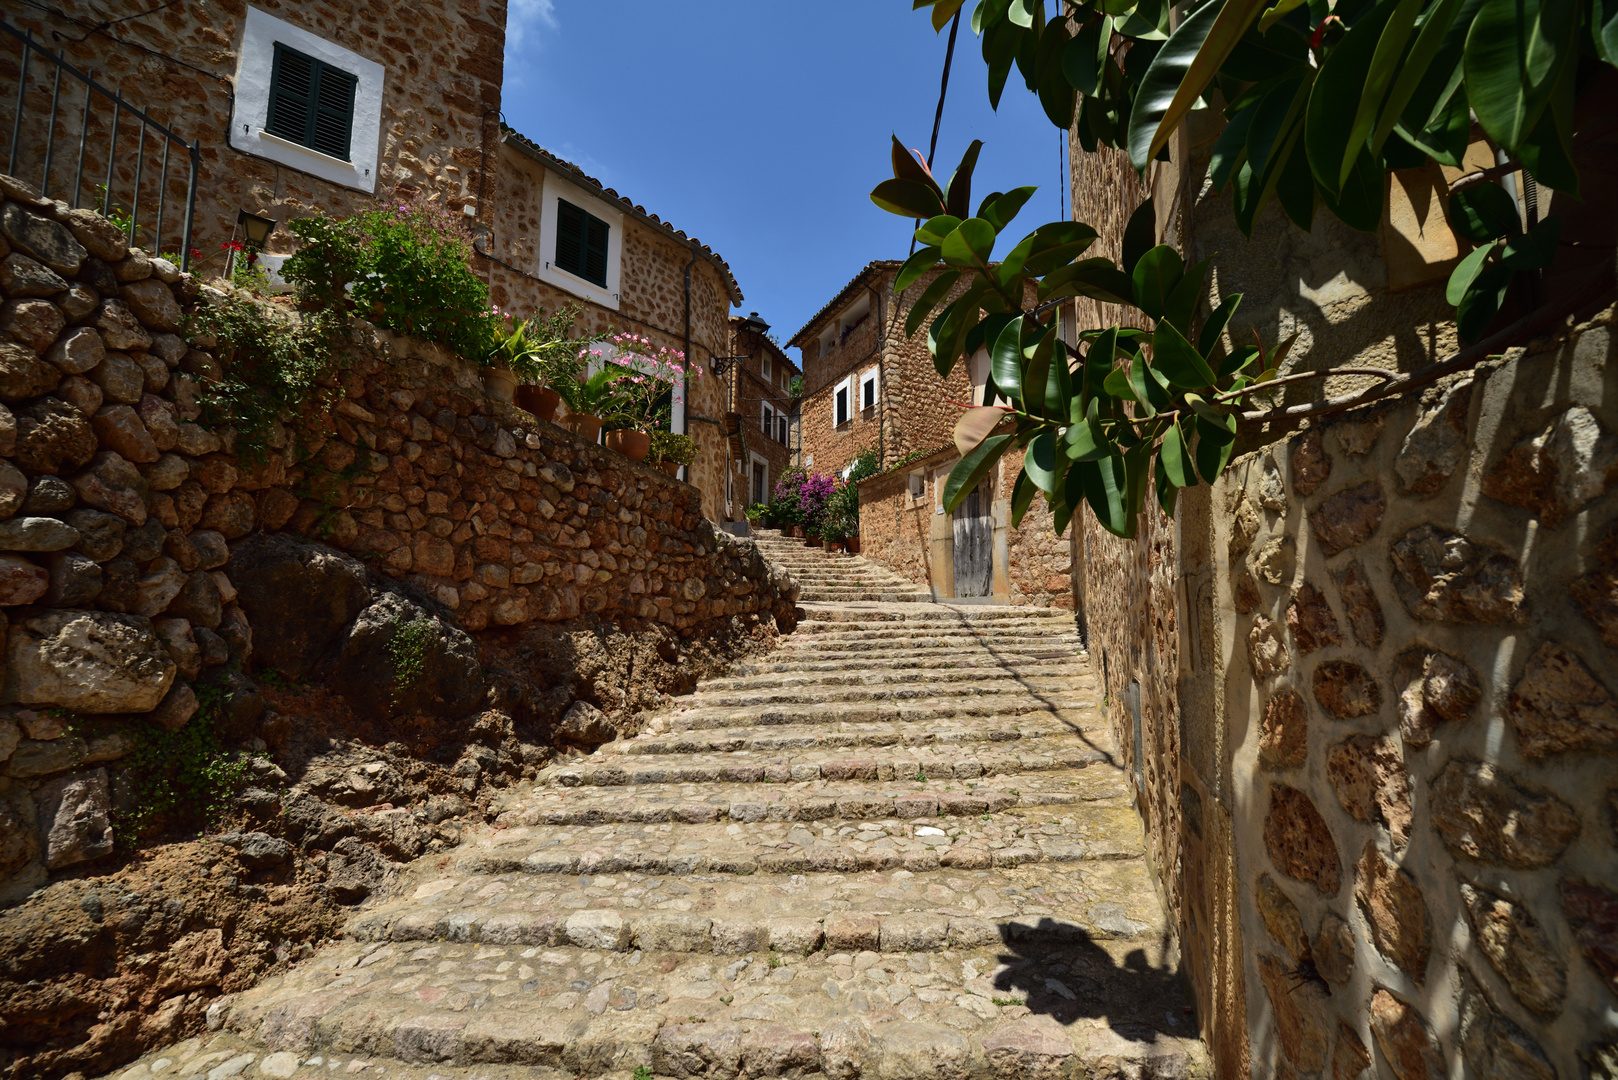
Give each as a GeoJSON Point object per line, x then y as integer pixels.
{"type": "Point", "coordinates": [546, 354]}
{"type": "Point", "coordinates": [589, 401]}
{"type": "Point", "coordinates": [831, 533]}
{"type": "Point", "coordinates": [646, 385]}
{"type": "Point", "coordinates": [755, 514]}
{"type": "Point", "coordinates": [670, 451]}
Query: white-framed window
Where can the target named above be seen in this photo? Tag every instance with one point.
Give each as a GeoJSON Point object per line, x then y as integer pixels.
{"type": "Point", "coordinates": [918, 487]}
{"type": "Point", "coordinates": [781, 429]}
{"type": "Point", "coordinates": [768, 420]}
{"type": "Point", "coordinates": [307, 103]}
{"type": "Point", "coordinates": [764, 367]}
{"type": "Point", "coordinates": [868, 390]}
{"type": "Point", "coordinates": [580, 231]}
{"type": "Point", "coordinates": [841, 403]}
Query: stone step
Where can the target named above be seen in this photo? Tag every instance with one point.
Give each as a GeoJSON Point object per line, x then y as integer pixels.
{"type": "Point", "coordinates": [1085, 832]}
{"type": "Point", "coordinates": [876, 763]}
{"type": "Point", "coordinates": [932, 911]}
{"type": "Point", "coordinates": [915, 662]}
{"type": "Point", "coordinates": [774, 740]}
{"type": "Point", "coordinates": [983, 684]}
{"type": "Point", "coordinates": [1077, 710]}
{"type": "Point", "coordinates": [802, 673]}
{"type": "Point", "coordinates": [821, 620]}
{"type": "Point", "coordinates": [1031, 796]}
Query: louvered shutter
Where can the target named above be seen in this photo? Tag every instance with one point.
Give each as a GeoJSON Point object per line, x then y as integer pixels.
{"type": "Point", "coordinates": [581, 243]}
{"type": "Point", "coordinates": [311, 103]}
{"type": "Point", "coordinates": [595, 251]}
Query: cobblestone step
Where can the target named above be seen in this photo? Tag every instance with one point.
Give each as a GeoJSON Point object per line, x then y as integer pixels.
{"type": "Point", "coordinates": [811, 592]}
{"type": "Point", "coordinates": [1075, 709]}
{"type": "Point", "coordinates": [914, 842]}
{"type": "Point", "coordinates": [986, 684]}
{"type": "Point", "coordinates": [773, 739]}
{"type": "Point", "coordinates": [776, 672]}
{"type": "Point", "coordinates": [876, 763]}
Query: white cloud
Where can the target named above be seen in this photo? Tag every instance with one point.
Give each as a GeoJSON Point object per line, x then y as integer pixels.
{"type": "Point", "coordinates": [525, 19]}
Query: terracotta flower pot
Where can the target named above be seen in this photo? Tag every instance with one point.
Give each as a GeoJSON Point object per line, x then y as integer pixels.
{"type": "Point", "coordinates": [834, 545]}
{"type": "Point", "coordinates": [670, 467]}
{"type": "Point", "coordinates": [853, 545]}
{"type": "Point", "coordinates": [499, 383]}
{"type": "Point", "coordinates": [584, 425]}
{"type": "Point", "coordinates": [542, 401]}
{"type": "Point", "coordinates": [797, 532]}
{"type": "Point", "coordinates": [634, 445]}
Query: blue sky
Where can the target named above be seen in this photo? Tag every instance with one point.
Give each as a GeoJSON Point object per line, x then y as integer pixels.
{"type": "Point", "coordinates": [761, 127]}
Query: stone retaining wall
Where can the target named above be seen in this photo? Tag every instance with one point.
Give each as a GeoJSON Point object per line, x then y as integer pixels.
{"type": "Point", "coordinates": [121, 514]}
{"type": "Point", "coordinates": [1380, 652]}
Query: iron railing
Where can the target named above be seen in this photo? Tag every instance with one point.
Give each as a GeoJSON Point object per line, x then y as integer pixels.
{"type": "Point", "coordinates": [34, 140]}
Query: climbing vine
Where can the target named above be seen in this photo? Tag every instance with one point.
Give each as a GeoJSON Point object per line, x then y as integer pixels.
{"type": "Point", "coordinates": [408, 650]}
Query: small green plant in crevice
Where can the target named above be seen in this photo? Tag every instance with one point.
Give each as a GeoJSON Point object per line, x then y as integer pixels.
{"type": "Point", "coordinates": [775, 959]}
{"type": "Point", "coordinates": [642, 1072]}
{"type": "Point", "coordinates": [272, 368]}
{"type": "Point", "coordinates": [408, 650]}
{"type": "Point", "coordinates": [179, 773]}
{"type": "Point", "coordinates": [116, 213]}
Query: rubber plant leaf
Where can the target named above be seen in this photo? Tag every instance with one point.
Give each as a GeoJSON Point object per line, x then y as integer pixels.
{"type": "Point", "coordinates": [1139, 235]}
{"type": "Point", "coordinates": [906, 167]}
{"type": "Point", "coordinates": [1466, 272]}
{"type": "Point", "coordinates": [1514, 51]}
{"type": "Point", "coordinates": [1483, 212]}
{"type": "Point", "coordinates": [959, 190]}
{"type": "Point", "coordinates": [1154, 279]}
{"type": "Point", "coordinates": [999, 211]}
{"type": "Point", "coordinates": [1042, 462]}
{"type": "Point", "coordinates": [934, 229]}
{"type": "Point", "coordinates": [918, 264]}
{"type": "Point", "coordinates": [974, 426]}
{"type": "Point", "coordinates": [935, 291]}
{"type": "Point", "coordinates": [907, 198]}
{"type": "Point", "coordinates": [1181, 71]}
{"type": "Point", "coordinates": [970, 245]}
{"type": "Point", "coordinates": [1178, 361]}
{"type": "Point", "coordinates": [972, 468]}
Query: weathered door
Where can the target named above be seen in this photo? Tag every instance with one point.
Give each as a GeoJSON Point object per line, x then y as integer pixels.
{"type": "Point", "coordinates": [974, 539]}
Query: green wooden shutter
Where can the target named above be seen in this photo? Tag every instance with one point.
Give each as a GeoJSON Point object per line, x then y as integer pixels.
{"type": "Point", "coordinates": [581, 243]}
{"type": "Point", "coordinates": [311, 103]}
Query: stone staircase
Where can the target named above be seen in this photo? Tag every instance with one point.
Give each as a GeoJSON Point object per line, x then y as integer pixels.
{"type": "Point", "coordinates": [828, 577]}
{"type": "Point", "coordinates": [896, 848]}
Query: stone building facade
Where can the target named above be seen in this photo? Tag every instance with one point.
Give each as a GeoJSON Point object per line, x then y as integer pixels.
{"type": "Point", "coordinates": [763, 411]}
{"type": "Point", "coordinates": [867, 386]}
{"type": "Point", "coordinates": [424, 124]}
{"type": "Point", "coordinates": [659, 284]}
{"type": "Point", "coordinates": [1359, 681]}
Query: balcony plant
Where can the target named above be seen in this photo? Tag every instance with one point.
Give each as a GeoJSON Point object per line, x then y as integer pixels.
{"type": "Point", "coordinates": [589, 401]}
{"type": "Point", "coordinates": [670, 451]}
{"type": "Point", "coordinates": [648, 379]}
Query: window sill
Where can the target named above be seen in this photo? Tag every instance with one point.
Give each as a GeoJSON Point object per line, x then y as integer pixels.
{"type": "Point", "coordinates": [311, 151]}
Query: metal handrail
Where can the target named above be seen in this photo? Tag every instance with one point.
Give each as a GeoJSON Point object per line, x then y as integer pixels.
{"type": "Point", "coordinates": [115, 97]}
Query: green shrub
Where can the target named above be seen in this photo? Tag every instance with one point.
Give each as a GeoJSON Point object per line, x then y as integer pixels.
{"type": "Point", "coordinates": [405, 267]}
{"type": "Point", "coordinates": [179, 777]}
{"type": "Point", "coordinates": [667, 446]}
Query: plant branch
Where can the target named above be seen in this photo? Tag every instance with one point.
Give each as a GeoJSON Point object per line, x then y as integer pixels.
{"type": "Point", "coordinates": [1598, 290]}
{"type": "Point", "coordinates": [1259, 388]}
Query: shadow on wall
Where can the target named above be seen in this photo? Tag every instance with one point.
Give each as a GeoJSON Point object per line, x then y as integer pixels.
{"type": "Point", "coordinates": [1059, 970]}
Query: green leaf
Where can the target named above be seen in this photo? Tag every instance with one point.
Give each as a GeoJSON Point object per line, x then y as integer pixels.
{"type": "Point", "coordinates": [1269, 55]}
{"type": "Point", "coordinates": [1466, 272]}
{"type": "Point", "coordinates": [1022, 496]}
{"type": "Point", "coordinates": [1181, 364]}
{"type": "Point", "coordinates": [999, 212]}
{"type": "Point", "coordinates": [1335, 98]}
{"type": "Point", "coordinates": [1103, 351]}
{"type": "Point", "coordinates": [1181, 71]}
{"type": "Point", "coordinates": [1229, 148]}
{"type": "Point", "coordinates": [1084, 442]}
{"type": "Point", "coordinates": [1022, 12]}
{"type": "Point", "coordinates": [1514, 51]}
{"type": "Point", "coordinates": [1429, 40]}
{"type": "Point", "coordinates": [1183, 302]}
{"type": "Point", "coordinates": [1548, 152]}
{"type": "Point", "coordinates": [1208, 341]}
{"type": "Point", "coordinates": [1483, 212]}
{"type": "Point", "coordinates": [1536, 249]}
{"type": "Point", "coordinates": [906, 167]}
{"type": "Point", "coordinates": [1055, 92]}
{"type": "Point", "coordinates": [1272, 15]}
{"type": "Point", "coordinates": [1085, 58]}
{"type": "Point", "coordinates": [1000, 53]}
{"type": "Point", "coordinates": [1036, 373]}
{"type": "Point", "coordinates": [1604, 16]}
{"type": "Point", "coordinates": [1482, 302]}
{"type": "Point", "coordinates": [1118, 384]}
{"type": "Point", "coordinates": [934, 229]}
{"type": "Point", "coordinates": [1096, 278]}
{"type": "Point", "coordinates": [1167, 492]}
{"type": "Point", "coordinates": [1359, 203]}
{"type": "Point", "coordinates": [1390, 48]}
{"type": "Point", "coordinates": [1028, 49]}
{"type": "Point", "coordinates": [970, 245]}
{"type": "Point", "coordinates": [907, 198]}
{"type": "Point", "coordinates": [1056, 243]}
{"type": "Point", "coordinates": [936, 290]}
{"type": "Point", "coordinates": [1043, 464]}
{"type": "Point", "coordinates": [1139, 235]}
{"type": "Point", "coordinates": [1105, 483]}
{"type": "Point", "coordinates": [959, 198]}
{"type": "Point", "coordinates": [1005, 359]}
{"type": "Point", "coordinates": [1175, 455]}
{"type": "Point", "coordinates": [1155, 276]}
{"type": "Point", "coordinates": [1295, 189]}
{"type": "Point", "coordinates": [1214, 445]}
{"type": "Point", "coordinates": [948, 333]}
{"type": "Point", "coordinates": [918, 264]}
{"type": "Point", "coordinates": [944, 11]}
{"type": "Point", "coordinates": [972, 468]}
{"type": "Point", "coordinates": [1144, 387]}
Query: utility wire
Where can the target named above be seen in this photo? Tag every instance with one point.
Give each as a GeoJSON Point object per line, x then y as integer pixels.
{"type": "Point", "coordinates": [938, 114]}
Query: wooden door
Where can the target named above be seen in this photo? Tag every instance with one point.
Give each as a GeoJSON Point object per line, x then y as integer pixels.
{"type": "Point", "coordinates": [974, 544]}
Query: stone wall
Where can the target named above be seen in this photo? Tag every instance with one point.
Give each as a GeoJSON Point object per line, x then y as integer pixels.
{"type": "Point", "coordinates": [180, 64]}
{"type": "Point", "coordinates": [135, 560]}
{"type": "Point", "coordinates": [1416, 602]}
